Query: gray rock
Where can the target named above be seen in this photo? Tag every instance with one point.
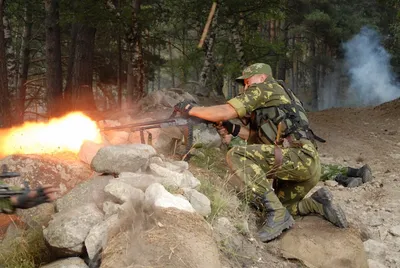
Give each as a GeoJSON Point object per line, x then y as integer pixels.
{"type": "Point", "coordinates": [110, 208]}
{"type": "Point", "coordinates": [68, 230]}
{"type": "Point", "coordinates": [72, 262]}
{"type": "Point", "coordinates": [199, 201]}
{"type": "Point", "coordinates": [157, 160]}
{"type": "Point", "coordinates": [168, 177]}
{"type": "Point", "coordinates": [331, 183]}
{"type": "Point", "coordinates": [98, 236]}
{"type": "Point", "coordinates": [330, 246]}
{"type": "Point", "coordinates": [177, 166]}
{"type": "Point", "coordinates": [375, 264]}
{"type": "Point", "coordinates": [206, 136]}
{"type": "Point", "coordinates": [87, 192]}
{"type": "Point", "coordinates": [138, 180]}
{"type": "Point", "coordinates": [37, 216]}
{"type": "Point", "coordinates": [122, 158]}
{"type": "Point", "coordinates": [375, 250]}
{"type": "Point", "coordinates": [395, 230]}
{"type": "Point", "coordinates": [121, 192]}
{"type": "Point", "coordinates": [156, 195]}
{"type": "Point", "coordinates": [115, 137]}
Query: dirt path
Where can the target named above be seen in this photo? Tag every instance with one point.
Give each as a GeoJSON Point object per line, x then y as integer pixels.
{"type": "Point", "coordinates": [357, 136]}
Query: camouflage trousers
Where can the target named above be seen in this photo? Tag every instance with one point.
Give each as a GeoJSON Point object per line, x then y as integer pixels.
{"type": "Point", "coordinates": [251, 165]}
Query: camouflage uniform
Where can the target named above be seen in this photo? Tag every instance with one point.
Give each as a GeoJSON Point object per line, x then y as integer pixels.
{"type": "Point", "coordinates": [254, 163]}
{"type": "Point", "coordinates": [5, 205]}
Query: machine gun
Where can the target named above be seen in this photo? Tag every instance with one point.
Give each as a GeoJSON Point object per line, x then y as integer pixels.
{"type": "Point", "coordinates": [172, 121]}
{"type": "Point", "coordinates": [5, 190]}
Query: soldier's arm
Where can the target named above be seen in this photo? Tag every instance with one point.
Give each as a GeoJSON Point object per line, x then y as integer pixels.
{"type": "Point", "coordinates": [215, 113]}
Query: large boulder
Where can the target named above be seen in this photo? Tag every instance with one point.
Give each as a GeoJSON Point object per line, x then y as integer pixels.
{"type": "Point", "coordinates": [122, 158]}
{"type": "Point", "coordinates": [318, 244]}
{"type": "Point", "coordinates": [206, 136]}
{"type": "Point", "coordinates": [168, 177]}
{"type": "Point", "coordinates": [165, 238]}
{"type": "Point", "coordinates": [39, 170]}
{"type": "Point", "coordinates": [157, 196]}
{"type": "Point", "coordinates": [73, 262]}
{"type": "Point", "coordinates": [88, 150]}
{"type": "Point", "coordinates": [90, 191]}
{"type": "Point", "coordinates": [67, 231]}
{"type": "Point", "coordinates": [121, 192]}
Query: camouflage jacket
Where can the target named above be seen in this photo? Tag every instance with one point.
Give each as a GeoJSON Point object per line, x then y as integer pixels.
{"type": "Point", "coordinates": [258, 96]}
{"type": "Point", "coordinates": [5, 205]}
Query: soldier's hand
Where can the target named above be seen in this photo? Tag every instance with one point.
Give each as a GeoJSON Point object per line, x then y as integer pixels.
{"type": "Point", "coordinates": [184, 107]}
{"type": "Point", "coordinates": [231, 128]}
{"type": "Point", "coordinates": [32, 198]}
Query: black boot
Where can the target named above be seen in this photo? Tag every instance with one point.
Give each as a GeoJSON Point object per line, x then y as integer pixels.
{"type": "Point", "coordinates": [276, 218]}
{"type": "Point", "coordinates": [348, 181]}
{"type": "Point", "coordinates": [364, 172]}
{"type": "Point", "coordinates": [321, 202]}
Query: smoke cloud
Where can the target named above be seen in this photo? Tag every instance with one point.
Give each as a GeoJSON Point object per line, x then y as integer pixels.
{"type": "Point", "coordinates": [368, 63]}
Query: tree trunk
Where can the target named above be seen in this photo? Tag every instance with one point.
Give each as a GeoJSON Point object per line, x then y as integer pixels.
{"type": "Point", "coordinates": [24, 66]}
{"type": "Point", "coordinates": [137, 72]}
{"type": "Point", "coordinates": [237, 42]}
{"type": "Point", "coordinates": [82, 73]}
{"type": "Point", "coordinates": [281, 73]}
{"type": "Point", "coordinates": [10, 53]}
{"type": "Point", "coordinates": [53, 59]}
{"type": "Point", "coordinates": [70, 68]}
{"type": "Point", "coordinates": [171, 62]}
{"type": "Point", "coordinates": [314, 74]}
{"type": "Point", "coordinates": [5, 107]}
{"type": "Point", "coordinates": [209, 54]}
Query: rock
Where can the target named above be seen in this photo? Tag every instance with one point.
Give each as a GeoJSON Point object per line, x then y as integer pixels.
{"type": "Point", "coordinates": [138, 180]}
{"type": "Point", "coordinates": [122, 192]}
{"type": "Point", "coordinates": [206, 136]}
{"type": "Point", "coordinates": [37, 216]}
{"type": "Point", "coordinates": [98, 236]}
{"type": "Point", "coordinates": [156, 195]}
{"type": "Point", "coordinates": [177, 166]}
{"type": "Point", "coordinates": [122, 158]}
{"type": "Point", "coordinates": [395, 230]}
{"type": "Point", "coordinates": [375, 264]}
{"type": "Point", "coordinates": [109, 123]}
{"type": "Point", "coordinates": [226, 234]}
{"type": "Point", "coordinates": [331, 183]}
{"type": "Point", "coordinates": [73, 262]}
{"type": "Point", "coordinates": [172, 178]}
{"type": "Point", "coordinates": [68, 230]}
{"type": "Point", "coordinates": [199, 201]}
{"type": "Point", "coordinates": [157, 160]}
{"type": "Point", "coordinates": [42, 170]}
{"type": "Point", "coordinates": [168, 101]}
{"type": "Point", "coordinates": [110, 208]}
{"type": "Point", "coordinates": [330, 246]}
{"type": "Point", "coordinates": [88, 150]}
{"type": "Point", "coordinates": [87, 192]}
{"type": "Point", "coordinates": [170, 238]}
{"type": "Point", "coordinates": [375, 250]}
{"type": "Point", "coordinates": [166, 140]}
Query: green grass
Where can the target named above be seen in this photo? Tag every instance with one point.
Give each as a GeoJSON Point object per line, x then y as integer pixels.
{"type": "Point", "coordinates": [329, 172]}
{"type": "Point", "coordinates": [25, 251]}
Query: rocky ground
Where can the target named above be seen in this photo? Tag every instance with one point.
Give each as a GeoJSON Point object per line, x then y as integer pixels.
{"type": "Point", "coordinates": [355, 136]}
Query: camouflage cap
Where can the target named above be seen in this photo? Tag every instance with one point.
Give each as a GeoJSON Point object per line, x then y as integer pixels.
{"type": "Point", "coordinates": [256, 68]}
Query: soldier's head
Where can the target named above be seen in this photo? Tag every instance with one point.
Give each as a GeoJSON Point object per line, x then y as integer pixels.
{"type": "Point", "coordinates": [254, 74]}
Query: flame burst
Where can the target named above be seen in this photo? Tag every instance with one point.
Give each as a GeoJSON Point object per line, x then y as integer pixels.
{"type": "Point", "coordinates": [58, 135]}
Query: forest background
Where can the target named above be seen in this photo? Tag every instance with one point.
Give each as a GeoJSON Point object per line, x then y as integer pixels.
{"type": "Point", "coordinates": [58, 56]}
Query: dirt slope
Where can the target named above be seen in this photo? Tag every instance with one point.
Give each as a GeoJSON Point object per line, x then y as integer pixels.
{"type": "Point", "coordinates": [357, 136]}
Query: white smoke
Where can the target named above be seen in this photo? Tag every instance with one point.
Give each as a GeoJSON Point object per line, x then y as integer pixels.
{"type": "Point", "coordinates": [371, 78]}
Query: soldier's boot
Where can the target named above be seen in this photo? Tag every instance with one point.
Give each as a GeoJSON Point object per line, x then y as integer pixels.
{"type": "Point", "coordinates": [364, 172]}
{"type": "Point", "coordinates": [321, 202]}
{"type": "Point", "coordinates": [348, 181]}
{"type": "Point", "coordinates": [276, 218]}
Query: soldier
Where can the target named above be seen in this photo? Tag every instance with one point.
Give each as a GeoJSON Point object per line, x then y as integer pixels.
{"type": "Point", "coordinates": [280, 147]}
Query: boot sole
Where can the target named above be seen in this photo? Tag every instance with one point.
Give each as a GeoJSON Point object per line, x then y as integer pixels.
{"type": "Point", "coordinates": [326, 198]}
{"type": "Point", "coordinates": [286, 225]}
